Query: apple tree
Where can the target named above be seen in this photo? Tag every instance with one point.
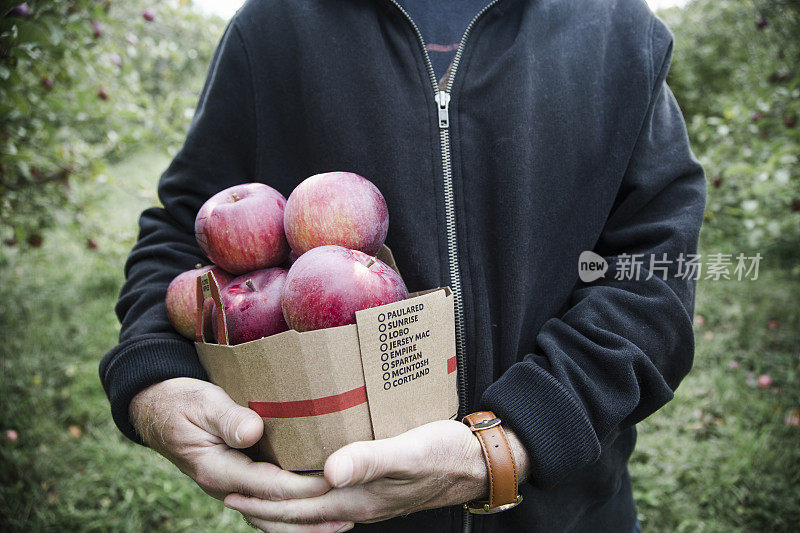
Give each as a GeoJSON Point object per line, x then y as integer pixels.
{"type": "Point", "coordinates": [735, 74]}
{"type": "Point", "coordinates": [83, 83]}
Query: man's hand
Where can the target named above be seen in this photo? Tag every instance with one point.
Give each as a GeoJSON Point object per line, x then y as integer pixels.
{"type": "Point", "coordinates": [435, 465]}
{"type": "Point", "coordinates": [197, 426]}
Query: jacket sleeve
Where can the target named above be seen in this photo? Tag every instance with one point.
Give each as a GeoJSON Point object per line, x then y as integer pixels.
{"type": "Point", "coordinates": [622, 346]}
{"type": "Point", "coordinates": [219, 151]}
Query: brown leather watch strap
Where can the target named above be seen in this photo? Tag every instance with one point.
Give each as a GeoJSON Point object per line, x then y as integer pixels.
{"type": "Point", "coordinates": [499, 461]}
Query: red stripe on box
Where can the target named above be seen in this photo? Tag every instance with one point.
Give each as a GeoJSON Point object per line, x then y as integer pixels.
{"type": "Point", "coordinates": [451, 365]}
{"type": "Point", "coordinates": [315, 407]}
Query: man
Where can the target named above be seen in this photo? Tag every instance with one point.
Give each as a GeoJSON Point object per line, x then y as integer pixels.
{"type": "Point", "coordinates": [553, 132]}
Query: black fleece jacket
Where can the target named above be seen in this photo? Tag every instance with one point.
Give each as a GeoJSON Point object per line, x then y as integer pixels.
{"type": "Point", "coordinates": [563, 137]}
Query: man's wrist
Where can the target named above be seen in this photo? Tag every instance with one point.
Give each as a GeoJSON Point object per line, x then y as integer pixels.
{"type": "Point", "coordinates": [500, 464]}
{"type": "Point", "coordinates": [478, 470]}
{"type": "Point", "coordinates": [521, 457]}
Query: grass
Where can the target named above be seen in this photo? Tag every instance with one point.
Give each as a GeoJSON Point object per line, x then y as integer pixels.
{"type": "Point", "coordinates": [70, 469]}
{"type": "Point", "coordinates": [720, 457]}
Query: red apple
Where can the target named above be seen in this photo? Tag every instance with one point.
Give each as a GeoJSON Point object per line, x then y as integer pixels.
{"type": "Point", "coordinates": [241, 228]}
{"type": "Point", "coordinates": [182, 300]}
{"type": "Point", "coordinates": [339, 208]}
{"type": "Point", "coordinates": [328, 284]}
{"type": "Point", "coordinates": [115, 59]}
{"type": "Point", "coordinates": [764, 381]}
{"type": "Point", "coordinates": [22, 11]}
{"type": "Point", "coordinates": [252, 305]}
{"type": "Point", "coordinates": [148, 14]}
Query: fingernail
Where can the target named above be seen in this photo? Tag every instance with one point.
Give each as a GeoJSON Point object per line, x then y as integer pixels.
{"type": "Point", "coordinates": [346, 527]}
{"type": "Point", "coordinates": [238, 433]}
{"type": "Point", "coordinates": [343, 471]}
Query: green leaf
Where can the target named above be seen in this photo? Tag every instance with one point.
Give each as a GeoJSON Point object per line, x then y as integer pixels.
{"type": "Point", "coordinates": [31, 31]}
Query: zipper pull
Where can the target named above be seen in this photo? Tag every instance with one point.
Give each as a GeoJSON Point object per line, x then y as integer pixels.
{"type": "Point", "coordinates": [443, 106]}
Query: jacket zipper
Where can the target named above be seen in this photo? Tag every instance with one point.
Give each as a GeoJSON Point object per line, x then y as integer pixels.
{"type": "Point", "coordinates": [442, 99]}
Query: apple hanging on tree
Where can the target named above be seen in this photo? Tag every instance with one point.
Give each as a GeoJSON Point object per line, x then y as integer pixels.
{"type": "Point", "coordinates": [21, 10]}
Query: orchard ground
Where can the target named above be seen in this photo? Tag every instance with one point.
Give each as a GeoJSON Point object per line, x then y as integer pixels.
{"type": "Point", "coordinates": [724, 455]}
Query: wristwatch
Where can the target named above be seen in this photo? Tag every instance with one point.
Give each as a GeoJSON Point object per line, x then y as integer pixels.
{"type": "Point", "coordinates": [503, 481]}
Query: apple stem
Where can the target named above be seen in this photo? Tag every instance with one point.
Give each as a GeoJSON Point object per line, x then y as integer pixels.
{"type": "Point", "coordinates": [249, 283]}
{"type": "Point", "coordinates": [371, 262]}
{"type": "Point", "coordinates": [235, 197]}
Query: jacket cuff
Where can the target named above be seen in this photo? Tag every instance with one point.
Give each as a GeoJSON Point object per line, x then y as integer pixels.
{"type": "Point", "coordinates": [140, 364]}
{"type": "Point", "coordinates": [550, 421]}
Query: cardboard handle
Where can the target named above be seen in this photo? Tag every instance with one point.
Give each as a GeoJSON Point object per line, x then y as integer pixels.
{"type": "Point", "coordinates": [207, 287]}
{"type": "Point", "coordinates": [385, 255]}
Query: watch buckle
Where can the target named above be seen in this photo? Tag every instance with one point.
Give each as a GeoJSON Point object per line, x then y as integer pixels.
{"type": "Point", "coordinates": [485, 424]}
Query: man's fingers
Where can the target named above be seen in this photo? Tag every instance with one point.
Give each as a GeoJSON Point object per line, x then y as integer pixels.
{"type": "Point", "coordinates": [278, 527]}
{"type": "Point", "coordinates": [218, 414]}
{"type": "Point", "coordinates": [217, 467]}
{"type": "Point", "coordinates": [349, 504]}
{"type": "Point", "coordinates": [222, 471]}
{"type": "Point", "coordinates": [362, 462]}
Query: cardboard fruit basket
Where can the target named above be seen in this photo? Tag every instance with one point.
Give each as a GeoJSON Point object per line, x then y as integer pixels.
{"type": "Point", "coordinates": [391, 371]}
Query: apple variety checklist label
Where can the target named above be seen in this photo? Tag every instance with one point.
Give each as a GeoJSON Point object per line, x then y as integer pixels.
{"type": "Point", "coordinates": [408, 357]}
